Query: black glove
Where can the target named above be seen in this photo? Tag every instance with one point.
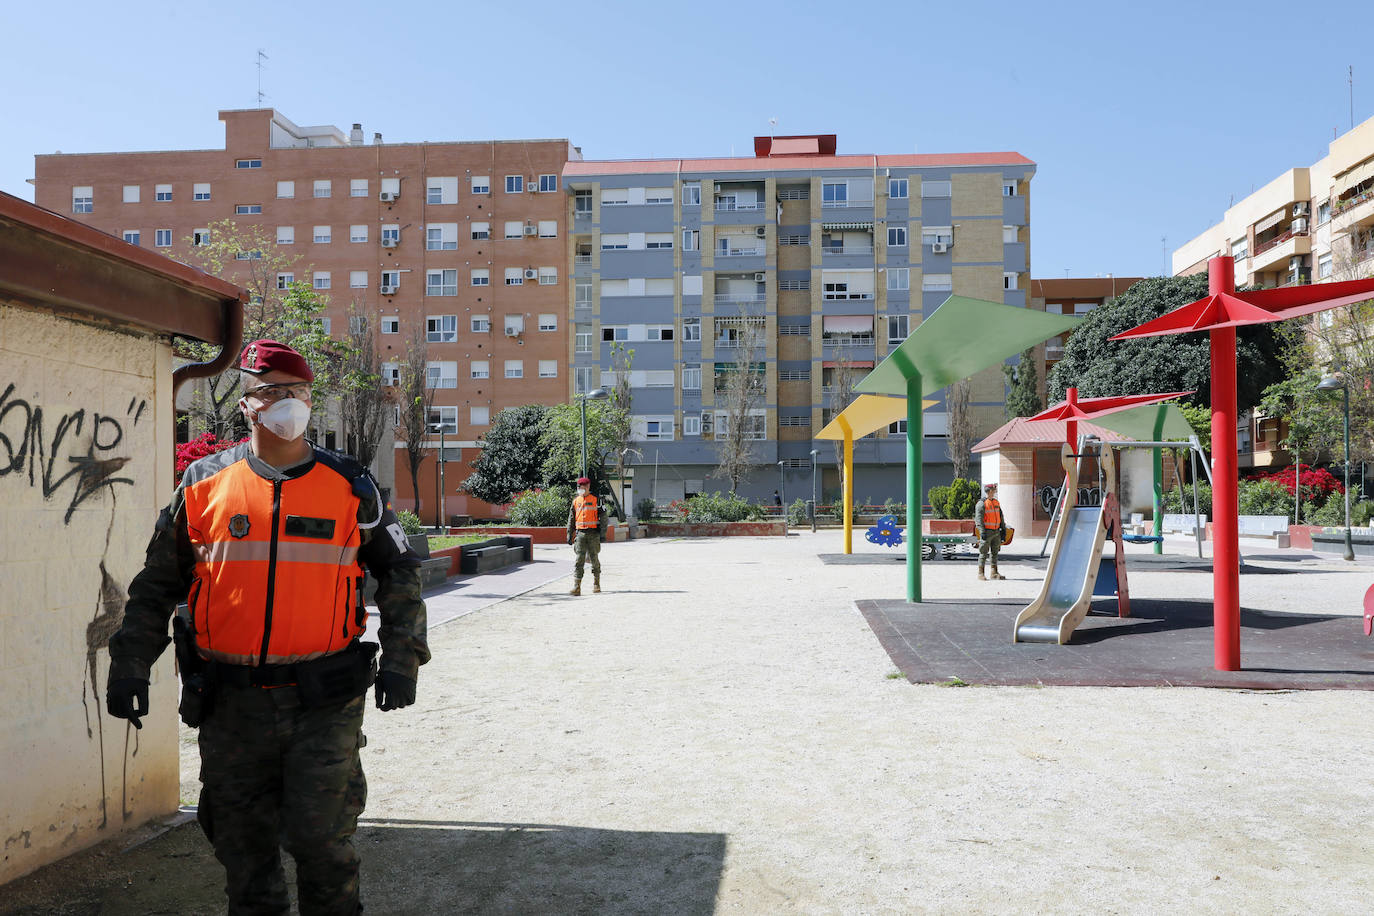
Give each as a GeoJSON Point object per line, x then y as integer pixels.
{"type": "Point", "coordinates": [127, 698]}
{"type": "Point", "coordinates": [570, 540]}
{"type": "Point", "coordinates": [394, 691]}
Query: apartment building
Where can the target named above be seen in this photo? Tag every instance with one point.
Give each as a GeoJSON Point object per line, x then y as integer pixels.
{"type": "Point", "coordinates": [1070, 296]}
{"type": "Point", "coordinates": [833, 258]}
{"type": "Point", "coordinates": [1311, 224]}
{"type": "Point", "coordinates": [462, 242]}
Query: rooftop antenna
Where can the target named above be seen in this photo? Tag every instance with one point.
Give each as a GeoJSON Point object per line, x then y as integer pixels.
{"type": "Point", "coordinates": [1350, 79]}
{"type": "Point", "coordinates": [262, 56]}
{"type": "Point", "coordinates": [772, 131]}
{"type": "Point", "coordinates": [1164, 249]}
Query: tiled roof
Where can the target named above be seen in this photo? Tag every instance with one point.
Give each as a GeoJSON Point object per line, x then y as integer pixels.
{"type": "Point", "coordinates": [1024, 431]}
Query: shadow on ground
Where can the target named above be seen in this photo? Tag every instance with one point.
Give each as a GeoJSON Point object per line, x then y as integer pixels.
{"type": "Point", "coordinates": [423, 867]}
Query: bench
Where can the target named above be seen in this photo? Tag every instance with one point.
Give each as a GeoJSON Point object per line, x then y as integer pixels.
{"type": "Point", "coordinates": [1264, 526]}
{"type": "Point", "coordinates": [495, 553]}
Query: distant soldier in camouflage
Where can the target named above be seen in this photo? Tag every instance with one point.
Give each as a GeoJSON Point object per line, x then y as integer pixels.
{"type": "Point", "coordinates": [991, 527]}
{"type": "Point", "coordinates": [586, 518]}
{"type": "Point", "coordinates": [267, 542]}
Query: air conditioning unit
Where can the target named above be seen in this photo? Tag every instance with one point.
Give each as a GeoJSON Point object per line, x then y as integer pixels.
{"type": "Point", "coordinates": [387, 197]}
{"type": "Point", "coordinates": [761, 231]}
{"type": "Point", "coordinates": [760, 277]}
{"type": "Point", "coordinates": [1295, 262]}
{"type": "Point", "coordinates": [1302, 208]}
{"type": "Point", "coordinates": [531, 231]}
{"type": "Point", "coordinates": [939, 247]}
{"type": "Point", "coordinates": [513, 331]}
{"type": "Point", "coordinates": [1299, 224]}
{"type": "Point", "coordinates": [389, 290]}
{"type": "Point", "coordinates": [531, 273]}
{"type": "Point", "coordinates": [532, 186]}
{"type": "Point", "coordinates": [390, 242]}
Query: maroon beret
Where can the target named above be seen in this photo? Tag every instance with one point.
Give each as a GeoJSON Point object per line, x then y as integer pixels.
{"type": "Point", "coordinates": [267, 355]}
{"type": "Point", "coordinates": [582, 480]}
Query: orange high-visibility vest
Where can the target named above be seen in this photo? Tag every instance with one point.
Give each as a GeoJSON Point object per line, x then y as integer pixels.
{"type": "Point", "coordinates": [992, 513]}
{"type": "Point", "coordinates": [584, 512]}
{"type": "Point", "coordinates": [277, 574]}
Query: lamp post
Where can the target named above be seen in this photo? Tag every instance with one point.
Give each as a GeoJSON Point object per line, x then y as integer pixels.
{"type": "Point", "coordinates": [782, 493]}
{"type": "Point", "coordinates": [439, 479]}
{"type": "Point", "coordinates": [596, 394]}
{"type": "Point", "coordinates": [1328, 383]}
{"type": "Point", "coordinates": [813, 490]}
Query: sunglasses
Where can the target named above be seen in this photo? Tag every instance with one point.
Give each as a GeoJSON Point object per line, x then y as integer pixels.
{"type": "Point", "coordinates": [270, 394]}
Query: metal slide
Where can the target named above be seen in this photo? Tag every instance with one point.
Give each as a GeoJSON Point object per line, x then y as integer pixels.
{"type": "Point", "coordinates": [1067, 592]}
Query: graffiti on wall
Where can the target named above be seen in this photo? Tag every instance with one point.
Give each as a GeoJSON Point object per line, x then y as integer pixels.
{"type": "Point", "coordinates": [1047, 496]}
{"type": "Point", "coordinates": [68, 456]}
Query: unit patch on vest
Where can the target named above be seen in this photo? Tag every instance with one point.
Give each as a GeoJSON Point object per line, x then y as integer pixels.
{"type": "Point", "coordinates": [238, 526]}
{"type": "Point", "coordinates": [302, 526]}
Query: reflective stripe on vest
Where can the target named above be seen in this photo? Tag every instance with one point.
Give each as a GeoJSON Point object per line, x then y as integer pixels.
{"type": "Point", "coordinates": [992, 513]}
{"type": "Point", "coordinates": [584, 512]}
{"type": "Point", "coordinates": [237, 521]}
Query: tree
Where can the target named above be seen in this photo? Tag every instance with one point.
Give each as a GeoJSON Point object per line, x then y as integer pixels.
{"type": "Point", "coordinates": [959, 437]}
{"type": "Point", "coordinates": [416, 398]}
{"type": "Point", "coordinates": [1023, 388]}
{"type": "Point", "coordinates": [1315, 418]}
{"type": "Point", "coordinates": [622, 359]}
{"type": "Point", "coordinates": [841, 385]}
{"type": "Point", "coordinates": [561, 440]}
{"type": "Point", "coordinates": [1200, 419]}
{"type": "Point", "coordinates": [741, 390]}
{"type": "Point", "coordinates": [513, 455]}
{"type": "Point", "coordinates": [1343, 340]}
{"type": "Point", "coordinates": [364, 402]}
{"type": "Point", "coordinates": [1099, 366]}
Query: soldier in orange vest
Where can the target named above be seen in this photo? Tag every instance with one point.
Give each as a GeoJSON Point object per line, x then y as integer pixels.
{"type": "Point", "coordinates": [267, 543]}
{"type": "Point", "coordinates": [991, 526]}
{"type": "Point", "coordinates": [584, 532]}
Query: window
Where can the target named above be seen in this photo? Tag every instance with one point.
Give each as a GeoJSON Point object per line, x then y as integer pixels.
{"type": "Point", "coordinates": [582, 298]}
{"type": "Point", "coordinates": [391, 279]}
{"type": "Point", "coordinates": [897, 427]}
{"type": "Point", "coordinates": [514, 325]}
{"type": "Point", "coordinates": [1323, 212]}
{"type": "Point", "coordinates": [583, 339]}
{"type": "Point", "coordinates": [1009, 189]}
{"type": "Point", "coordinates": [481, 184]}
{"type": "Point", "coordinates": [286, 235]}
{"type": "Point", "coordinates": [897, 188]}
{"type": "Point", "coordinates": [441, 190]}
{"type": "Point", "coordinates": [162, 238]}
{"type": "Point", "coordinates": [480, 369]}
{"type": "Point", "coordinates": [248, 163]}
{"type": "Point", "coordinates": [131, 236]}
{"type": "Point", "coordinates": [898, 278]}
{"type": "Point", "coordinates": [441, 283]}
{"type": "Point", "coordinates": [357, 233]}
{"type": "Point", "coordinates": [391, 374]}
{"type": "Point", "coordinates": [443, 418]}
{"type": "Point", "coordinates": [691, 377]}
{"type": "Point", "coordinates": [658, 332]}
{"type": "Point", "coordinates": [691, 239]}
{"type": "Point", "coordinates": [937, 235]}
{"type": "Point", "coordinates": [481, 324]}
{"type": "Point", "coordinates": [321, 279]}
{"type": "Point", "coordinates": [391, 186]}
{"type": "Point", "coordinates": [582, 204]}
{"type": "Point", "coordinates": [548, 228]}
{"type": "Point", "coordinates": [480, 231]}
{"type": "Point", "coordinates": [391, 324]}
{"type": "Point", "coordinates": [611, 333]}
{"type": "Point", "coordinates": [323, 187]}
{"type": "Point", "coordinates": [247, 209]}
{"type": "Point", "coordinates": [481, 276]}
{"type": "Point", "coordinates": [441, 328]}
{"type": "Point", "coordinates": [441, 374]}
{"type": "Point", "coordinates": [582, 379]}
{"type": "Point", "coordinates": [162, 192]}
{"type": "Point", "coordinates": [548, 368]}
{"type": "Point", "coordinates": [1323, 266]}
{"type": "Point", "coordinates": [514, 184]}
{"type": "Point", "coordinates": [391, 234]}
{"type": "Point", "coordinates": [515, 276]}
{"type": "Point", "coordinates": [548, 183]}
{"type": "Point", "coordinates": [691, 425]}
{"type": "Point", "coordinates": [658, 241]}
{"type": "Point", "coordinates": [357, 324]}
{"type": "Point", "coordinates": [548, 276]}
{"type": "Point", "coordinates": [323, 234]}
{"type": "Point", "coordinates": [1008, 281]}
{"type": "Point", "coordinates": [658, 429]}
{"type": "Point", "coordinates": [691, 329]}
{"type": "Point", "coordinates": [1240, 250]}
{"type": "Point", "coordinates": [691, 194]}
{"type": "Point", "coordinates": [200, 237]}
{"type": "Point", "coordinates": [937, 188]}
{"type": "Point", "coordinates": [325, 325]}
{"type": "Point", "coordinates": [658, 195]}
{"type": "Point", "coordinates": [615, 197]}
{"type": "Point", "coordinates": [357, 279]}
{"type": "Point", "coordinates": [479, 416]}
{"type": "Point", "coordinates": [515, 368]}
{"type": "Point", "coordinates": [83, 200]}
{"type": "Point", "coordinates": [131, 193]}
{"type": "Point", "coordinates": [286, 190]}
{"type": "Point", "coordinates": [897, 328]}
{"type": "Point", "coordinates": [615, 241]}
{"type": "Point", "coordinates": [200, 191]}
{"type": "Point", "coordinates": [548, 321]}
{"type": "Point", "coordinates": [937, 282]}
{"type": "Point", "coordinates": [794, 375]}
{"type": "Point", "coordinates": [441, 237]}
{"type": "Point", "coordinates": [357, 187]}
{"type": "Point", "coordinates": [896, 236]}
{"type": "Point", "coordinates": [252, 254]}
{"type": "Point", "coordinates": [514, 229]}
{"type": "Point", "coordinates": [834, 193]}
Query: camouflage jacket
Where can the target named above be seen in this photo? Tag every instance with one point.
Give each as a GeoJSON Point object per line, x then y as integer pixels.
{"type": "Point", "coordinates": [169, 571]}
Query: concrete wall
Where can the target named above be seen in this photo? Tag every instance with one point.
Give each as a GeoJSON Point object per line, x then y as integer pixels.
{"type": "Point", "coordinates": [85, 464]}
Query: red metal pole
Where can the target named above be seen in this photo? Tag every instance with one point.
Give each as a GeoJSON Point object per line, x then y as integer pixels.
{"type": "Point", "coordinates": [1071, 425]}
{"type": "Point", "coordinates": [1225, 497]}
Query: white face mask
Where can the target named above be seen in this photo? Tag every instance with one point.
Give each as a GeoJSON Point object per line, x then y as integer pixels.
{"type": "Point", "coordinates": [581, 491]}
{"type": "Point", "coordinates": [286, 419]}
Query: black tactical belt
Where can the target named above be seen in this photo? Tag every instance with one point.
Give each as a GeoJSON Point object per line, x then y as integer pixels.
{"type": "Point", "coordinates": [276, 675]}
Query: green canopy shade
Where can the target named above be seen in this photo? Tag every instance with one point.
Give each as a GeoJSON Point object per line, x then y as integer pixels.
{"type": "Point", "coordinates": [1148, 423]}
{"type": "Point", "coordinates": [961, 338]}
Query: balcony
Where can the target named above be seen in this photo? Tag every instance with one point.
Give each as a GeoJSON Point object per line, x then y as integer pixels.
{"type": "Point", "coordinates": [1279, 249]}
{"type": "Point", "coordinates": [740, 298]}
{"type": "Point", "coordinates": [857, 250]}
{"type": "Point", "coordinates": [1357, 211]}
{"type": "Point", "coordinates": [753, 251]}
{"type": "Point", "coordinates": [731, 205]}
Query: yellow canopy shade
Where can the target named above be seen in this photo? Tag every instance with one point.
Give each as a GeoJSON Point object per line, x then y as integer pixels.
{"type": "Point", "coordinates": [868, 413]}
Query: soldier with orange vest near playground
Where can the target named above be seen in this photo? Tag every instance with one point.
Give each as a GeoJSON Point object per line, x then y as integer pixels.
{"type": "Point", "coordinates": [585, 520]}
{"type": "Point", "coordinates": [267, 543]}
{"type": "Point", "coordinates": [991, 526]}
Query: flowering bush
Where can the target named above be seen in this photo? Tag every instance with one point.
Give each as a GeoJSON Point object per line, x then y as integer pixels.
{"type": "Point", "coordinates": [1316, 483]}
{"type": "Point", "coordinates": [199, 447]}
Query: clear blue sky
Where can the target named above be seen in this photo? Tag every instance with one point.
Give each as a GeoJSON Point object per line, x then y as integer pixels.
{"type": "Point", "coordinates": [1144, 121]}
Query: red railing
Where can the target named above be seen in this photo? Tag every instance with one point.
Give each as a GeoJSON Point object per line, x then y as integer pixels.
{"type": "Point", "coordinates": [1279, 240]}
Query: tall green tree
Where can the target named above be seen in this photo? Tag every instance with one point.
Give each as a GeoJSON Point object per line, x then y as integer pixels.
{"type": "Point", "coordinates": [1023, 387]}
{"type": "Point", "coordinates": [513, 455]}
{"type": "Point", "coordinates": [1314, 417]}
{"type": "Point", "coordinates": [416, 398]}
{"type": "Point", "coordinates": [562, 440]}
{"type": "Point", "coordinates": [1099, 366]}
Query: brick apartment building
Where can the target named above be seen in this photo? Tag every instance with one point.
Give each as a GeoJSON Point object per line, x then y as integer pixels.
{"type": "Point", "coordinates": [464, 240]}
{"type": "Point", "coordinates": [1070, 296]}
{"type": "Point", "coordinates": [835, 258]}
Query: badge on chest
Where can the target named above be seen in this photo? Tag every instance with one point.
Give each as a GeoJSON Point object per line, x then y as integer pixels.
{"type": "Point", "coordinates": [238, 526]}
{"type": "Point", "coordinates": [303, 526]}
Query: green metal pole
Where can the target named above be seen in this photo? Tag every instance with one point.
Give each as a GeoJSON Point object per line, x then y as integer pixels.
{"type": "Point", "coordinates": [913, 485]}
{"type": "Point", "coordinates": [1349, 545]}
{"type": "Point", "coordinates": [1158, 456]}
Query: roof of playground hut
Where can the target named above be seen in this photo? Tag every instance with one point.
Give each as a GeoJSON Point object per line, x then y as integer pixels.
{"type": "Point", "coordinates": [1025, 431]}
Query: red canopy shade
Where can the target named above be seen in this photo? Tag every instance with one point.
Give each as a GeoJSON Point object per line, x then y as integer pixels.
{"type": "Point", "coordinates": [1099, 407]}
{"type": "Point", "coordinates": [1225, 310]}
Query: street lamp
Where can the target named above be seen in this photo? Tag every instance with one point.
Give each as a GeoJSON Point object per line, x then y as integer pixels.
{"type": "Point", "coordinates": [813, 490]}
{"type": "Point", "coordinates": [1329, 383]}
{"type": "Point", "coordinates": [439, 480]}
{"type": "Point", "coordinates": [596, 394]}
{"type": "Point", "coordinates": [782, 492]}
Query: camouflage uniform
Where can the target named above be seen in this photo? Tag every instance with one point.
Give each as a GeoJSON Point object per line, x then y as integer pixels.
{"type": "Point", "coordinates": [274, 771]}
{"type": "Point", "coordinates": [989, 541]}
{"type": "Point", "coordinates": [586, 546]}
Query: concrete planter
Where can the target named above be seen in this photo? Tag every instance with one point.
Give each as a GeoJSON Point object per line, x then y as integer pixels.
{"type": "Point", "coordinates": [1333, 542]}
{"type": "Point", "coordinates": [544, 535]}
{"type": "Point", "coordinates": [716, 529]}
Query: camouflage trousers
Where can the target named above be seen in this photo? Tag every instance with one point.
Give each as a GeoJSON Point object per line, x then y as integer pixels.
{"type": "Point", "coordinates": [276, 774]}
{"type": "Point", "coordinates": [990, 543]}
{"type": "Point", "coordinates": [586, 547]}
